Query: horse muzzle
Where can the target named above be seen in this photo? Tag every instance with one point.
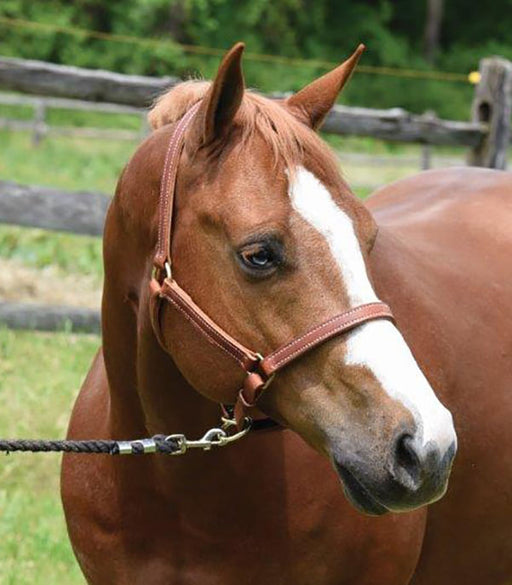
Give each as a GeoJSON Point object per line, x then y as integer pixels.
{"type": "Point", "coordinates": [412, 475]}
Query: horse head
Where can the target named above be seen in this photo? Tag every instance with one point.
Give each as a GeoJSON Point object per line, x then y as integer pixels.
{"type": "Point", "coordinates": [269, 241]}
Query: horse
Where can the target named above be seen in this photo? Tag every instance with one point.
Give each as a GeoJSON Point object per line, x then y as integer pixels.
{"type": "Point", "coordinates": [269, 241]}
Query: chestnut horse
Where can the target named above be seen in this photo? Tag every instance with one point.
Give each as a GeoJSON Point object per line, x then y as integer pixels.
{"type": "Point", "coordinates": [269, 241]}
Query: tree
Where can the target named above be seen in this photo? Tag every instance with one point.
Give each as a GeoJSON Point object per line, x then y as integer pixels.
{"type": "Point", "coordinates": [433, 29]}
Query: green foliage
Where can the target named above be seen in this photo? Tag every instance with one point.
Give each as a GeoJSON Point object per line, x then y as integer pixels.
{"type": "Point", "coordinates": [140, 18]}
{"type": "Point", "coordinates": [320, 29]}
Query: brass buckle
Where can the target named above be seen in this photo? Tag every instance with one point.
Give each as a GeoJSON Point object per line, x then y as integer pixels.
{"type": "Point", "coordinates": [158, 272]}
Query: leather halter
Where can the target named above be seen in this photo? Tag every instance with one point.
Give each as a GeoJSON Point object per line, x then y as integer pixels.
{"type": "Point", "coordinates": [259, 370]}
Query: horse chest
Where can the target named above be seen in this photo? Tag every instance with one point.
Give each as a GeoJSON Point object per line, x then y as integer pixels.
{"type": "Point", "coordinates": [287, 523]}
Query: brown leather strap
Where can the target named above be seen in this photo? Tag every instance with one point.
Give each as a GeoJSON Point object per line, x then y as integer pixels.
{"type": "Point", "coordinates": [167, 187]}
{"type": "Point", "coordinates": [155, 304]}
{"type": "Point", "coordinates": [257, 381]}
{"type": "Point", "coordinates": [173, 293]}
{"type": "Point", "coordinates": [338, 324]}
{"type": "Point", "coordinates": [260, 371]}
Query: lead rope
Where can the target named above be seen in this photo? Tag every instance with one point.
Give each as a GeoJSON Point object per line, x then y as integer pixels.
{"type": "Point", "coordinates": [164, 444]}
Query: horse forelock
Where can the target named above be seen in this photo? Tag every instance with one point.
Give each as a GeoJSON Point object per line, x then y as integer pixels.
{"type": "Point", "coordinates": [289, 139]}
{"type": "Point", "coordinates": [173, 104]}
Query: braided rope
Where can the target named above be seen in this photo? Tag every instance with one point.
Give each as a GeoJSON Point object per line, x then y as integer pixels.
{"type": "Point", "coordinates": [162, 445]}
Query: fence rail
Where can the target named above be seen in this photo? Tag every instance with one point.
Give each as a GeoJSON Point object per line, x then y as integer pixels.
{"type": "Point", "coordinates": [399, 125]}
{"type": "Point", "coordinates": [39, 131]}
{"type": "Point", "coordinates": [52, 209]}
{"type": "Point", "coordinates": [394, 124]}
{"type": "Point", "coordinates": [79, 212]}
{"type": "Point", "coordinates": [96, 85]}
{"type": "Point", "coordinates": [11, 99]}
{"type": "Point", "coordinates": [49, 317]}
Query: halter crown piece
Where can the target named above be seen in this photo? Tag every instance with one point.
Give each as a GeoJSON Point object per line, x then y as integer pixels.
{"type": "Point", "coordinates": [259, 370]}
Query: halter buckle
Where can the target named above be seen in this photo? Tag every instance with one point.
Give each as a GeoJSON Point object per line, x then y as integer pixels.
{"type": "Point", "coordinates": [268, 379]}
{"type": "Point", "coordinates": [158, 272]}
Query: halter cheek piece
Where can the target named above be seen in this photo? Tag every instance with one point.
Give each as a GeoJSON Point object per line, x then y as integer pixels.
{"type": "Point", "coordinates": [259, 370]}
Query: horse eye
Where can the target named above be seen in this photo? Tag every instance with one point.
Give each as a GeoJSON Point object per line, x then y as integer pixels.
{"type": "Point", "coordinates": [258, 257]}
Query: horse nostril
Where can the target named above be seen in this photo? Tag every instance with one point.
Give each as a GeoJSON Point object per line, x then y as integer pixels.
{"type": "Point", "coordinates": [407, 467]}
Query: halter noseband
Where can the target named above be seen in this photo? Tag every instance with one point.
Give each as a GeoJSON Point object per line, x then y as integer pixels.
{"type": "Point", "coordinates": [259, 370]}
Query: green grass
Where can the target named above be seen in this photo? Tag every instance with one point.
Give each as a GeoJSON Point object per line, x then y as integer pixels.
{"type": "Point", "coordinates": [39, 248]}
{"type": "Point", "coordinates": [40, 373]}
{"type": "Point", "coordinates": [39, 378]}
{"type": "Point", "coordinates": [64, 162]}
{"type": "Point", "coordinates": [366, 145]}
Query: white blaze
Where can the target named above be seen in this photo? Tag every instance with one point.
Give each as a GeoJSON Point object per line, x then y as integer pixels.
{"type": "Point", "coordinates": [377, 345]}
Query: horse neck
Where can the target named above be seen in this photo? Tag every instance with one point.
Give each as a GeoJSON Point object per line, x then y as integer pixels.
{"type": "Point", "coordinates": [170, 403]}
{"type": "Point", "coordinates": [148, 394]}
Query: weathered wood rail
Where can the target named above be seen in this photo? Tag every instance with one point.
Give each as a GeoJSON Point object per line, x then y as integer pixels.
{"type": "Point", "coordinates": [394, 124]}
{"type": "Point", "coordinates": [53, 209]}
{"type": "Point", "coordinates": [96, 85]}
{"type": "Point", "coordinates": [49, 317]}
{"type": "Point", "coordinates": [399, 125]}
{"type": "Point", "coordinates": [79, 212]}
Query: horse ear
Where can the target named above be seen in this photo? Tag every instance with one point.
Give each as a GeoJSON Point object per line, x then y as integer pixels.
{"type": "Point", "coordinates": [312, 103]}
{"type": "Point", "coordinates": [222, 100]}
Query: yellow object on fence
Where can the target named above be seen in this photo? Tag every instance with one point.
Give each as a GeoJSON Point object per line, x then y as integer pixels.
{"type": "Point", "coordinates": [474, 77]}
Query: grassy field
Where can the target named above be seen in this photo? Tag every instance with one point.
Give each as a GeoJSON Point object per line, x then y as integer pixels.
{"type": "Point", "coordinates": [39, 378]}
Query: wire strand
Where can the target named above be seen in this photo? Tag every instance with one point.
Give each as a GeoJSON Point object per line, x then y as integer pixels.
{"type": "Point", "coordinates": [258, 57]}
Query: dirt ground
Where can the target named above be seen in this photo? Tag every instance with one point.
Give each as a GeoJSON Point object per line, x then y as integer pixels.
{"type": "Point", "coordinates": [19, 283]}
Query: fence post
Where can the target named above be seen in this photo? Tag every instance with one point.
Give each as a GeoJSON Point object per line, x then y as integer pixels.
{"type": "Point", "coordinates": [428, 116]}
{"type": "Point", "coordinates": [492, 105]}
{"type": "Point", "coordinates": [39, 128]}
{"type": "Point", "coordinates": [144, 128]}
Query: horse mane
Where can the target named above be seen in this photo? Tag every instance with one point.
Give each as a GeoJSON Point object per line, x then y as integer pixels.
{"type": "Point", "coordinates": [288, 138]}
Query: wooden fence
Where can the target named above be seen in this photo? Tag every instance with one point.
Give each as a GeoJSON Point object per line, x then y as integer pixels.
{"type": "Point", "coordinates": [487, 137]}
